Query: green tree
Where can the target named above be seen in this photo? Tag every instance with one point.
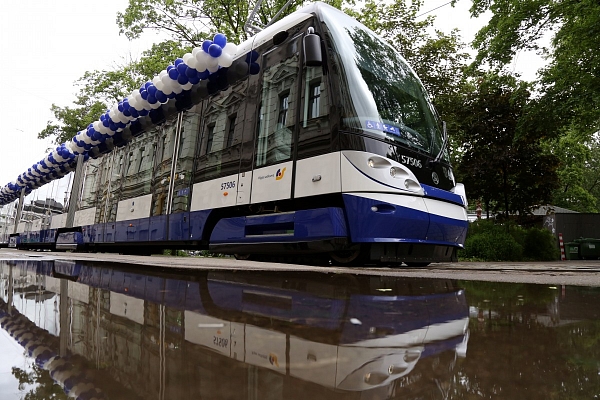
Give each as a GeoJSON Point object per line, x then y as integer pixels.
{"type": "Point", "coordinates": [100, 89]}
{"type": "Point", "coordinates": [438, 59]}
{"type": "Point", "coordinates": [570, 84]}
{"type": "Point", "coordinates": [576, 175]}
{"type": "Point", "coordinates": [192, 21]}
{"type": "Point", "coordinates": [507, 170]}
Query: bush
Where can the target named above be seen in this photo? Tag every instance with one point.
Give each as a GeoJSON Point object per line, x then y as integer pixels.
{"type": "Point", "coordinates": [493, 246]}
{"type": "Point", "coordinates": [539, 245]}
{"type": "Point", "coordinates": [487, 241]}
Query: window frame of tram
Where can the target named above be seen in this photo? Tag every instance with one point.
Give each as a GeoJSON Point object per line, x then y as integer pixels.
{"type": "Point", "coordinates": [221, 129]}
{"type": "Point", "coordinates": [307, 114]}
{"type": "Point", "coordinates": [186, 157]}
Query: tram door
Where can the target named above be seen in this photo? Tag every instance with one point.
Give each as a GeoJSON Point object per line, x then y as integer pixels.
{"type": "Point", "coordinates": [278, 108]}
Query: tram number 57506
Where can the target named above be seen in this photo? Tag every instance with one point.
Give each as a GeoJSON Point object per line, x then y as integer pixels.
{"type": "Point", "coordinates": [227, 185]}
{"type": "Point", "coordinates": [220, 342]}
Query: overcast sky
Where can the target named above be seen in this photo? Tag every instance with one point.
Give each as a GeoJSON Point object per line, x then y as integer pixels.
{"type": "Point", "coordinates": [47, 45]}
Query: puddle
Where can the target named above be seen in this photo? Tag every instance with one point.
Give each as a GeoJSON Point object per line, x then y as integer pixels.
{"type": "Point", "coordinates": [92, 330]}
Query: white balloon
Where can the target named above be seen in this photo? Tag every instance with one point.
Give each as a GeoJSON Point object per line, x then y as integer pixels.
{"type": "Point", "coordinates": [230, 49]}
{"type": "Point", "coordinates": [162, 73]}
{"type": "Point", "coordinates": [201, 58]}
{"type": "Point", "coordinates": [192, 63]}
{"type": "Point", "coordinates": [187, 86]}
{"type": "Point", "coordinates": [113, 116]}
{"type": "Point", "coordinates": [167, 89]}
{"type": "Point", "coordinates": [155, 105]}
{"type": "Point", "coordinates": [213, 69]}
{"type": "Point", "coordinates": [177, 89]}
{"type": "Point", "coordinates": [186, 57]}
{"type": "Point", "coordinates": [195, 50]}
{"type": "Point", "coordinates": [166, 79]}
{"type": "Point", "coordinates": [159, 85]}
{"type": "Point", "coordinates": [212, 62]}
{"type": "Point", "coordinates": [225, 60]}
{"type": "Point", "coordinates": [155, 79]}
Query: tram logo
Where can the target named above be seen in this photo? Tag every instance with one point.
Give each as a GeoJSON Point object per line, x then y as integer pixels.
{"type": "Point", "coordinates": [435, 177]}
{"type": "Point", "coordinates": [279, 174]}
{"type": "Point", "coordinates": [273, 359]}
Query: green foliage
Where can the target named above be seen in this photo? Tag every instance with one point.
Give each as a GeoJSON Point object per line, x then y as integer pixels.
{"type": "Point", "coordinates": [579, 172]}
{"type": "Point", "coordinates": [488, 241]}
{"type": "Point", "coordinates": [539, 245]}
{"type": "Point", "coordinates": [438, 59]}
{"type": "Point", "coordinates": [499, 246]}
{"type": "Point", "coordinates": [44, 387]}
{"type": "Point", "coordinates": [507, 169]}
{"type": "Point", "coordinates": [570, 84]}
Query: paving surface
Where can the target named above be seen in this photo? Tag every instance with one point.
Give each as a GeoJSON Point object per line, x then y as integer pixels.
{"type": "Point", "coordinates": [580, 273]}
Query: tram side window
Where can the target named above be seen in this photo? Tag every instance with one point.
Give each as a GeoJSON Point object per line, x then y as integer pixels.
{"type": "Point", "coordinates": [230, 129]}
{"type": "Point", "coordinates": [278, 104]}
{"type": "Point", "coordinates": [314, 137]}
{"type": "Point", "coordinates": [223, 121]}
{"type": "Point", "coordinates": [210, 136]}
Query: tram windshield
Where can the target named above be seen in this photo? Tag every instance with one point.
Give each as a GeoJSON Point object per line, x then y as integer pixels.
{"type": "Point", "coordinates": [383, 96]}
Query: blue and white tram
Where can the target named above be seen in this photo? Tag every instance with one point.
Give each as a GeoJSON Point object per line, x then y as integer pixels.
{"type": "Point", "coordinates": [319, 139]}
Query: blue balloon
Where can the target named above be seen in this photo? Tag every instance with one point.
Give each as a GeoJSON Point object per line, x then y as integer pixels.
{"type": "Point", "coordinates": [143, 113]}
{"type": "Point", "coordinates": [96, 136]}
{"type": "Point", "coordinates": [151, 99]}
{"type": "Point", "coordinates": [147, 85]}
{"type": "Point", "coordinates": [134, 113]}
{"type": "Point", "coordinates": [120, 106]}
{"type": "Point", "coordinates": [144, 94]}
{"type": "Point", "coordinates": [127, 112]}
{"type": "Point", "coordinates": [111, 126]}
{"type": "Point", "coordinates": [194, 79]}
{"type": "Point", "coordinates": [203, 75]}
{"type": "Point", "coordinates": [152, 90]}
{"type": "Point", "coordinates": [254, 68]}
{"type": "Point", "coordinates": [182, 68]}
{"type": "Point", "coordinates": [182, 80]}
{"type": "Point", "coordinates": [206, 44]}
{"type": "Point", "coordinates": [160, 96]}
{"type": "Point", "coordinates": [215, 50]}
{"type": "Point", "coordinates": [220, 39]}
{"type": "Point", "coordinates": [170, 67]}
{"type": "Point", "coordinates": [173, 74]}
{"type": "Point", "coordinates": [178, 61]}
{"type": "Point", "coordinates": [120, 125]}
{"type": "Point", "coordinates": [190, 72]}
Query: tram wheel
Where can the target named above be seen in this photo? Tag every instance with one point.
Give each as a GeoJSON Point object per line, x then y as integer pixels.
{"type": "Point", "coordinates": [346, 256]}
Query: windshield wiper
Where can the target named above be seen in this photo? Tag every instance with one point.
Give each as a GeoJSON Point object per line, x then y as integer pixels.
{"type": "Point", "coordinates": [444, 144]}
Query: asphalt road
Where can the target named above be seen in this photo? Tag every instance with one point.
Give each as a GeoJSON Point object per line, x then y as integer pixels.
{"type": "Point", "coordinates": [580, 273]}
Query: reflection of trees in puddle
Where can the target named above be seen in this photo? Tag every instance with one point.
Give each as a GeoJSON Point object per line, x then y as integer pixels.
{"type": "Point", "coordinates": [44, 386]}
{"type": "Point", "coordinates": [530, 342]}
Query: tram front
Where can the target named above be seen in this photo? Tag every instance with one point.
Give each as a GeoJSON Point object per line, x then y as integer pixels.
{"type": "Point", "coordinates": [401, 199]}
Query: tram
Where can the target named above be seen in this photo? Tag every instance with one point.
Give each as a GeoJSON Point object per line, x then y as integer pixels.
{"type": "Point", "coordinates": [319, 139]}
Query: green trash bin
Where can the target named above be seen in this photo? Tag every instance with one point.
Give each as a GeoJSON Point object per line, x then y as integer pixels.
{"type": "Point", "coordinates": [572, 251]}
{"type": "Point", "coordinates": [589, 249]}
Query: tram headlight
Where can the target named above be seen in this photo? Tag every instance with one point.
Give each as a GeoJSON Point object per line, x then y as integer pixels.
{"type": "Point", "coordinates": [371, 163]}
{"type": "Point", "coordinates": [394, 171]}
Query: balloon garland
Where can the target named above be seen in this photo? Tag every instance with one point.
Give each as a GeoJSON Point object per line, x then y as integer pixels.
{"type": "Point", "coordinates": [185, 72]}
